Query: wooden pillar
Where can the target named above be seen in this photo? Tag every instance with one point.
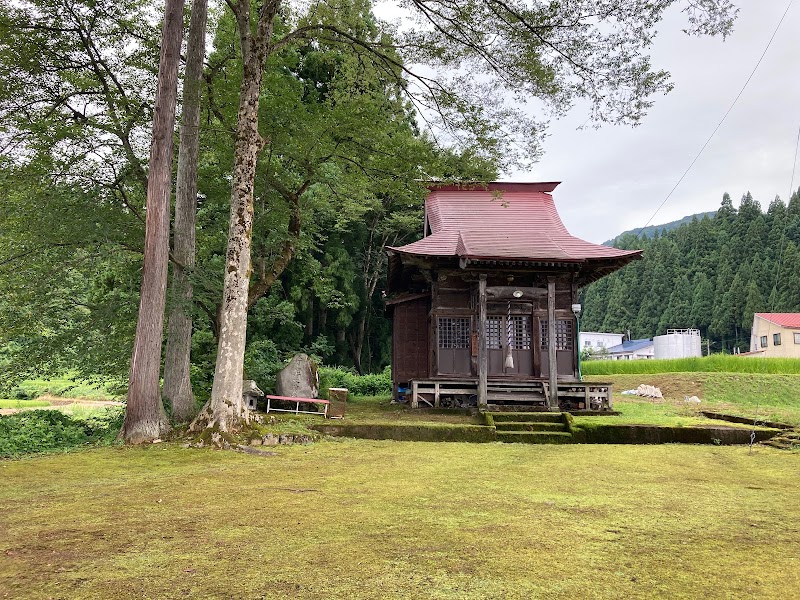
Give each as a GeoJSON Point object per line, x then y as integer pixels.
{"type": "Point", "coordinates": [483, 361]}
{"type": "Point", "coordinates": [552, 358]}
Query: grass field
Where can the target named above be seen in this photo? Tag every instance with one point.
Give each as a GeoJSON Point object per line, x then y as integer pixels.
{"type": "Point", "coordinates": [751, 395]}
{"type": "Point", "coordinates": [363, 519]}
{"type": "Point", "coordinates": [6, 403]}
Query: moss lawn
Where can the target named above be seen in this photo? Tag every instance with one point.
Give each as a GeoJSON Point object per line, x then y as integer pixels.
{"type": "Point", "coordinates": [382, 519]}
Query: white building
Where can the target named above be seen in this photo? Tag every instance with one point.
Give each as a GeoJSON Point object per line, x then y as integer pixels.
{"type": "Point", "coordinates": [596, 342]}
{"type": "Point", "coordinates": [632, 350]}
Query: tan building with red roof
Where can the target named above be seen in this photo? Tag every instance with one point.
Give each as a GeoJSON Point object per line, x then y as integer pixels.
{"type": "Point", "coordinates": [484, 305]}
{"type": "Point", "coordinates": [775, 335]}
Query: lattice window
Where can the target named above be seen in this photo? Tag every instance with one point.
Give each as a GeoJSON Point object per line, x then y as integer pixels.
{"type": "Point", "coordinates": [520, 329]}
{"type": "Point", "coordinates": [564, 334]}
{"type": "Point", "coordinates": [453, 332]}
{"type": "Point", "coordinates": [493, 328]}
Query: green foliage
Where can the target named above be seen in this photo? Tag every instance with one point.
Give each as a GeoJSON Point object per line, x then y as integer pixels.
{"type": "Point", "coordinates": [651, 230]}
{"type": "Point", "coordinates": [378, 384]}
{"type": "Point", "coordinates": [262, 363]}
{"type": "Point", "coordinates": [39, 431]}
{"type": "Point", "coordinates": [716, 363]}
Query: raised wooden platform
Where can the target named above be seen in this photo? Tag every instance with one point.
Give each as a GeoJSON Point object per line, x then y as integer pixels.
{"type": "Point", "coordinates": [573, 396]}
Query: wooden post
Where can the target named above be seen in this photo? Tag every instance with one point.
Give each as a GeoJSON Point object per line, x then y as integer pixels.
{"type": "Point", "coordinates": [483, 362]}
{"type": "Point", "coordinates": [552, 366]}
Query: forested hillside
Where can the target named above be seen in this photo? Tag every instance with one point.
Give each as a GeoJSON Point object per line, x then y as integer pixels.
{"type": "Point", "coordinates": [651, 230]}
{"type": "Point", "coordinates": [712, 274]}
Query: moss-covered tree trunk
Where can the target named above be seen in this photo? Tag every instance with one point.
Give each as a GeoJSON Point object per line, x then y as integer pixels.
{"type": "Point", "coordinates": [225, 410]}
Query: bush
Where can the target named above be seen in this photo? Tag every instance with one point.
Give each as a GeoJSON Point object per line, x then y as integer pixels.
{"type": "Point", "coordinates": [19, 393]}
{"type": "Point", "coordinates": [262, 364]}
{"type": "Point", "coordinates": [38, 431]}
{"type": "Point", "coordinates": [374, 384]}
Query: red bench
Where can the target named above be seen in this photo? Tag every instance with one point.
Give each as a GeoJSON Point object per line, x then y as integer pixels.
{"type": "Point", "coordinates": [297, 402]}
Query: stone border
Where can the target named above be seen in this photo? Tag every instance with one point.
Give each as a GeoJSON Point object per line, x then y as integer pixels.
{"type": "Point", "coordinates": [583, 434]}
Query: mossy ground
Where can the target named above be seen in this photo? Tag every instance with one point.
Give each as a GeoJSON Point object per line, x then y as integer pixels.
{"type": "Point", "coordinates": [377, 519]}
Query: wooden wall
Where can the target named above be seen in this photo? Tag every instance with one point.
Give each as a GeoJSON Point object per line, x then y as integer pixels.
{"type": "Point", "coordinates": [410, 349]}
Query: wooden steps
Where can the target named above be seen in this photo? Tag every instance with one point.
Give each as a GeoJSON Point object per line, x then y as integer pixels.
{"type": "Point", "coordinates": [510, 395]}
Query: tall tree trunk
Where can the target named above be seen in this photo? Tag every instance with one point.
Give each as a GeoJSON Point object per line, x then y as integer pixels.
{"type": "Point", "coordinates": [225, 410]}
{"type": "Point", "coordinates": [357, 344]}
{"type": "Point", "coordinates": [145, 419]}
{"type": "Point", "coordinates": [310, 319]}
{"type": "Point", "coordinates": [177, 385]}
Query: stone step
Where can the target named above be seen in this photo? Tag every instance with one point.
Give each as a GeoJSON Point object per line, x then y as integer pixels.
{"type": "Point", "coordinates": [782, 443]}
{"type": "Point", "coordinates": [521, 407]}
{"type": "Point", "coordinates": [528, 417]}
{"type": "Point", "coordinates": [534, 437]}
{"type": "Point", "coordinates": [528, 426]}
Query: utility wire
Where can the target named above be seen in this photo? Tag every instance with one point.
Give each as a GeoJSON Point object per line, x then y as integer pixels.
{"type": "Point", "coordinates": [725, 116]}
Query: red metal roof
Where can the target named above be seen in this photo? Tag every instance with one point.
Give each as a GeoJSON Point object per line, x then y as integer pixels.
{"type": "Point", "coordinates": [791, 320]}
{"type": "Point", "coordinates": [503, 221]}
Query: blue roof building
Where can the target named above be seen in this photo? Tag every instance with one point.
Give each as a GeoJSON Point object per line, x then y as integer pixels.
{"type": "Point", "coordinates": [632, 350]}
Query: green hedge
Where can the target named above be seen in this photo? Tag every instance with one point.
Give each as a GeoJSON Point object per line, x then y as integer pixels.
{"type": "Point", "coordinates": [376, 384]}
{"type": "Point", "coordinates": [716, 363]}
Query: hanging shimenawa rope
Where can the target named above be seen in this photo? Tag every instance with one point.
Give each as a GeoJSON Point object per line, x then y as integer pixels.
{"type": "Point", "coordinates": [509, 337]}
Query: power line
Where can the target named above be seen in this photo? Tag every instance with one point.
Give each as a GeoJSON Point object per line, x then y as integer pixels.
{"type": "Point", "coordinates": [725, 116]}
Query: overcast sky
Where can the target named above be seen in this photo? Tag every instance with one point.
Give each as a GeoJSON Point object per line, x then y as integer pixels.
{"type": "Point", "coordinates": [613, 179]}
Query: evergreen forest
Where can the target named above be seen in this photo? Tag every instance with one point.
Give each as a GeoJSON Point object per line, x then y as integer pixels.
{"type": "Point", "coordinates": [712, 274]}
